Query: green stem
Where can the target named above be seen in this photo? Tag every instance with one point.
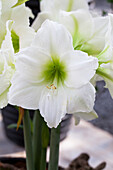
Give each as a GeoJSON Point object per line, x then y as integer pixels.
{"type": "Point", "coordinates": [37, 143]}
{"type": "Point", "coordinates": [28, 141]}
{"type": "Point", "coordinates": [54, 148]}
{"type": "Point", "coordinates": [102, 72]}
{"type": "Point", "coordinates": [43, 159]}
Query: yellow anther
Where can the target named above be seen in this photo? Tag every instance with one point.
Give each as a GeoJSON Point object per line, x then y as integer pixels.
{"type": "Point", "coordinates": [51, 87]}
{"type": "Point", "coordinates": [48, 87]}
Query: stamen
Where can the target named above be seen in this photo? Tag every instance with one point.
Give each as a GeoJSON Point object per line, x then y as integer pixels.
{"type": "Point", "coordinates": [51, 87]}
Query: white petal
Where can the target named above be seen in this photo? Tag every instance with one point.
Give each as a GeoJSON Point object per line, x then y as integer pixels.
{"type": "Point", "coordinates": [30, 63]}
{"type": "Point", "coordinates": [80, 4]}
{"type": "Point", "coordinates": [24, 94]}
{"type": "Point", "coordinates": [42, 16]}
{"type": "Point", "coordinates": [5, 82]}
{"type": "Point", "coordinates": [26, 36]}
{"type": "Point", "coordinates": [107, 52]}
{"type": "Point", "coordinates": [81, 100]}
{"type": "Point", "coordinates": [7, 46]}
{"type": "Point", "coordinates": [97, 42]}
{"type": "Point", "coordinates": [86, 116]}
{"type": "Point", "coordinates": [21, 15]}
{"type": "Point", "coordinates": [4, 99]}
{"type": "Point", "coordinates": [2, 31]}
{"type": "Point", "coordinates": [53, 38]}
{"type": "Point", "coordinates": [75, 22]}
{"type": "Point", "coordinates": [66, 5]}
{"type": "Point", "coordinates": [6, 9]}
{"type": "Point", "coordinates": [21, 25]}
{"type": "Point", "coordinates": [80, 68]}
{"type": "Point", "coordinates": [0, 7]}
{"type": "Point", "coordinates": [53, 106]}
{"type": "Point", "coordinates": [5, 79]}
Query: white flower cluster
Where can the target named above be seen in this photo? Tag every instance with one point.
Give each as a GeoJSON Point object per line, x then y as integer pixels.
{"type": "Point", "coordinates": [54, 66]}
{"type": "Point", "coordinates": [15, 34]}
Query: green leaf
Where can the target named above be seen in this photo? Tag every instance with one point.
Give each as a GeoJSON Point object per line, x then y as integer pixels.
{"type": "Point", "coordinates": [31, 123]}
{"type": "Point", "coordinates": [15, 41]}
{"type": "Point", "coordinates": [111, 1]}
{"type": "Point", "coordinates": [45, 135]}
{"type": "Point", "coordinates": [20, 2]}
{"type": "Point", "coordinates": [12, 126]}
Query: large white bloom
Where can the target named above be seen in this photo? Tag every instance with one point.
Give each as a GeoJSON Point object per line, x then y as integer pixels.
{"type": "Point", "coordinates": [15, 34]}
{"type": "Point", "coordinates": [7, 67]}
{"type": "Point", "coordinates": [87, 36]}
{"type": "Point", "coordinates": [52, 77]}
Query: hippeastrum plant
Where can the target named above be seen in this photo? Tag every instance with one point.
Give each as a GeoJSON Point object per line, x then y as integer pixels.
{"type": "Point", "coordinates": [50, 71]}
{"type": "Point", "coordinates": [53, 77]}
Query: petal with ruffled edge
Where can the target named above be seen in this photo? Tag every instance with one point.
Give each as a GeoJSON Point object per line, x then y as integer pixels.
{"type": "Point", "coordinates": [7, 46]}
{"type": "Point", "coordinates": [52, 106]}
{"type": "Point", "coordinates": [81, 99]}
{"type": "Point", "coordinates": [80, 68]}
{"type": "Point", "coordinates": [24, 94]}
{"type": "Point", "coordinates": [85, 116]}
{"type": "Point", "coordinates": [5, 82]}
{"type": "Point", "coordinates": [4, 99]}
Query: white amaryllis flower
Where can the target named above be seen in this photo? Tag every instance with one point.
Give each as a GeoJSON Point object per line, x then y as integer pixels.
{"type": "Point", "coordinates": [7, 67]}
{"type": "Point", "coordinates": [82, 25]}
{"type": "Point", "coordinates": [105, 58]}
{"type": "Point", "coordinates": [52, 77]}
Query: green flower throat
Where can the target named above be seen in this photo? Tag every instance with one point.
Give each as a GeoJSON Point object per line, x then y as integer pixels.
{"type": "Point", "coordinates": [54, 70]}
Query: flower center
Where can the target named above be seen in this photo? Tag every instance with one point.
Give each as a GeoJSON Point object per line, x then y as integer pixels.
{"type": "Point", "coordinates": [54, 70]}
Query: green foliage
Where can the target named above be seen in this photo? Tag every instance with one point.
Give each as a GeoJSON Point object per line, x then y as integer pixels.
{"type": "Point", "coordinates": [20, 2]}
{"type": "Point", "coordinates": [14, 126]}
{"type": "Point", "coordinates": [111, 1]}
{"type": "Point", "coordinates": [45, 135]}
{"type": "Point", "coordinates": [15, 41]}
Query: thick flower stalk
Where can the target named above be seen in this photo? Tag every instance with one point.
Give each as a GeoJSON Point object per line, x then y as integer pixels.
{"type": "Point", "coordinates": [52, 77]}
